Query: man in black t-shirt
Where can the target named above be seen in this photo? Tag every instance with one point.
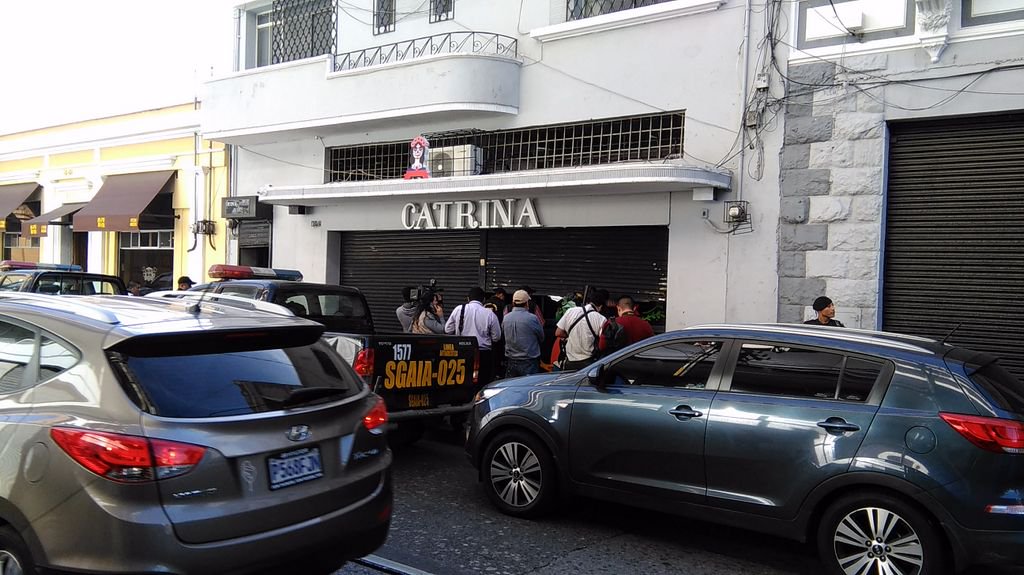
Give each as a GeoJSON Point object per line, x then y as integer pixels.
{"type": "Point", "coordinates": [826, 313]}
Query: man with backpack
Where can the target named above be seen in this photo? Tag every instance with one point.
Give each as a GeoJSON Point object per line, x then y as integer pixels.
{"type": "Point", "coordinates": [626, 329]}
{"type": "Point", "coordinates": [580, 327]}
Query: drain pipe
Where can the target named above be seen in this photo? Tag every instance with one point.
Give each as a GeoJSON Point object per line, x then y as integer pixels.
{"type": "Point", "coordinates": [745, 94]}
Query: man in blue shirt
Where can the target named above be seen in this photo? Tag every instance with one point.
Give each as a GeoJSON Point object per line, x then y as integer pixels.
{"type": "Point", "coordinates": [523, 338]}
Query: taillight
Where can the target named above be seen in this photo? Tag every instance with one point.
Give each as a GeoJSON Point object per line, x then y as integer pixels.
{"type": "Point", "coordinates": [476, 367]}
{"type": "Point", "coordinates": [989, 433]}
{"type": "Point", "coordinates": [364, 364]}
{"type": "Point", "coordinates": [127, 458]}
{"type": "Point", "coordinates": [377, 416]}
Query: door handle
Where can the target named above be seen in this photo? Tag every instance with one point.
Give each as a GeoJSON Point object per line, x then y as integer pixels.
{"type": "Point", "coordinates": [684, 412]}
{"type": "Point", "coordinates": [838, 425]}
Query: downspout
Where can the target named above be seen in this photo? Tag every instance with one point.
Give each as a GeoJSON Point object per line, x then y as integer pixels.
{"type": "Point", "coordinates": [237, 49]}
{"type": "Point", "coordinates": [745, 92]}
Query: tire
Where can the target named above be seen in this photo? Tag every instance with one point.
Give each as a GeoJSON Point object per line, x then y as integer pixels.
{"type": "Point", "coordinates": [868, 533]}
{"type": "Point", "coordinates": [14, 556]}
{"type": "Point", "coordinates": [519, 475]}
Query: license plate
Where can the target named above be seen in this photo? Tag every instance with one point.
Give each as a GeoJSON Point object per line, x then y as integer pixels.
{"type": "Point", "coordinates": [419, 400]}
{"type": "Point", "coordinates": [294, 467]}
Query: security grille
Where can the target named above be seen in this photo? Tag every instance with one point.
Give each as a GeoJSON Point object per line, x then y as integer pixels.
{"type": "Point", "coordinates": [302, 29]}
{"type": "Point", "coordinates": [383, 16]}
{"type": "Point", "coordinates": [579, 9]}
{"type": "Point", "coordinates": [644, 138]}
{"type": "Point", "coordinates": [441, 10]}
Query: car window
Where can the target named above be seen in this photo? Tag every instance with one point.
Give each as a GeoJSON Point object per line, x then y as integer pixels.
{"type": "Point", "coordinates": [677, 364]}
{"type": "Point", "coordinates": [17, 345]}
{"type": "Point", "coordinates": [99, 287]}
{"type": "Point", "coordinates": [859, 377]}
{"type": "Point", "coordinates": [787, 370]}
{"type": "Point", "coordinates": [54, 358]}
{"type": "Point", "coordinates": [241, 290]}
{"type": "Point", "coordinates": [236, 383]}
{"type": "Point", "coordinates": [12, 282]}
{"type": "Point", "coordinates": [1005, 390]}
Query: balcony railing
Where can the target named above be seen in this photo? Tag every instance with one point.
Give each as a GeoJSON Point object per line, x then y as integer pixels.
{"type": "Point", "coordinates": [580, 9]}
{"type": "Point", "coordinates": [484, 43]}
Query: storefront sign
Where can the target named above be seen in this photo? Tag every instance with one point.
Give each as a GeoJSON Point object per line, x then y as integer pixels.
{"type": "Point", "coordinates": [465, 215]}
{"type": "Point", "coordinates": [240, 207]}
{"type": "Point", "coordinates": [254, 234]}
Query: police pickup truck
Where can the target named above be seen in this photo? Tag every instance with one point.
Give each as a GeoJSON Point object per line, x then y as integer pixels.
{"type": "Point", "coordinates": [419, 376]}
{"type": "Point", "coordinates": [56, 279]}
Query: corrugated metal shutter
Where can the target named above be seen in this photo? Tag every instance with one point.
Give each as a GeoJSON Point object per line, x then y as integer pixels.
{"type": "Point", "coordinates": [623, 260]}
{"type": "Point", "coordinates": [381, 263]}
{"type": "Point", "coordinates": [954, 246]}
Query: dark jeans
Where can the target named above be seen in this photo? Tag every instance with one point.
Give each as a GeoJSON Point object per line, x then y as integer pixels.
{"type": "Point", "coordinates": [517, 366]}
{"type": "Point", "coordinates": [576, 365]}
{"type": "Point", "coordinates": [486, 374]}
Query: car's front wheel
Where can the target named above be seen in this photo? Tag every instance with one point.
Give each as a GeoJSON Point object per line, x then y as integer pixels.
{"type": "Point", "coordinates": [868, 533]}
{"type": "Point", "coordinates": [14, 557]}
{"type": "Point", "coordinates": [519, 474]}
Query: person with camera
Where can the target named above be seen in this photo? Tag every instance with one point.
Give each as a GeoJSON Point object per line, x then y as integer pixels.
{"type": "Point", "coordinates": [429, 315]}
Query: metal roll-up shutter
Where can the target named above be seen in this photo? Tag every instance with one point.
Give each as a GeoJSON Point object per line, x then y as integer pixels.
{"type": "Point", "coordinates": [382, 263]}
{"type": "Point", "coordinates": [628, 260]}
{"type": "Point", "coordinates": [954, 242]}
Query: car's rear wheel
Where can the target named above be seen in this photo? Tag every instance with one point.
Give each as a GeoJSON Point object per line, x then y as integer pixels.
{"type": "Point", "coordinates": [869, 533]}
{"type": "Point", "coordinates": [520, 474]}
{"type": "Point", "coordinates": [14, 557]}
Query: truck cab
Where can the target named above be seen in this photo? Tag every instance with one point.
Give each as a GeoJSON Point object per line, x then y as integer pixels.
{"type": "Point", "coordinates": [56, 279]}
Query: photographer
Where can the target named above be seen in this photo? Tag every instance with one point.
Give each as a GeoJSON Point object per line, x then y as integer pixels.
{"type": "Point", "coordinates": [429, 315]}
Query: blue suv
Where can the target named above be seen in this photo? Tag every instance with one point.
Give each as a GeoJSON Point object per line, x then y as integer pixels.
{"type": "Point", "coordinates": [895, 454]}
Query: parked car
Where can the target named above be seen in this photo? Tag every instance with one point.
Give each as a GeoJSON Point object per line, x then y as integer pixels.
{"type": "Point", "coordinates": [56, 279]}
{"type": "Point", "coordinates": [146, 435]}
{"type": "Point", "coordinates": [895, 454]}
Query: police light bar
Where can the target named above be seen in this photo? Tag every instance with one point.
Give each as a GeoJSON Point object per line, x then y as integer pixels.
{"type": "Point", "coordinates": [8, 265]}
{"type": "Point", "coordinates": [224, 271]}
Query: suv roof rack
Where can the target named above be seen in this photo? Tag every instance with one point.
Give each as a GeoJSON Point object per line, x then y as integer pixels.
{"type": "Point", "coordinates": [197, 297]}
{"type": "Point", "coordinates": [65, 304]}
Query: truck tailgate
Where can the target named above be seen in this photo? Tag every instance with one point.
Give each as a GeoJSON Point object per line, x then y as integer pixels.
{"type": "Point", "coordinates": [424, 371]}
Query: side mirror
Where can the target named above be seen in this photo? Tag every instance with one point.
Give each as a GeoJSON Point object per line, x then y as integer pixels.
{"type": "Point", "coordinates": [597, 376]}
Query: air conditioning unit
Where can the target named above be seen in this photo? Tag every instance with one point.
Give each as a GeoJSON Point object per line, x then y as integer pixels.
{"type": "Point", "coordinates": [464, 160]}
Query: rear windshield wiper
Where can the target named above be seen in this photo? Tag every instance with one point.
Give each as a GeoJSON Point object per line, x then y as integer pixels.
{"type": "Point", "coordinates": [308, 394]}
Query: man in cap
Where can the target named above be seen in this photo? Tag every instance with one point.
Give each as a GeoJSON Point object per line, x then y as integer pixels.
{"type": "Point", "coordinates": [826, 311]}
{"type": "Point", "coordinates": [185, 282]}
{"type": "Point", "coordinates": [523, 337]}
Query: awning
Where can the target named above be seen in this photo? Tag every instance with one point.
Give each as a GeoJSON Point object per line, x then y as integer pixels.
{"type": "Point", "coordinates": [36, 227]}
{"type": "Point", "coordinates": [12, 196]}
{"type": "Point", "coordinates": [119, 202]}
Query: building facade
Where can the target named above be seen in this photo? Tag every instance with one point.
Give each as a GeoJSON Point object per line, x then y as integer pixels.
{"type": "Point", "coordinates": [902, 176]}
{"type": "Point", "coordinates": [137, 196]}
{"type": "Point", "coordinates": [569, 143]}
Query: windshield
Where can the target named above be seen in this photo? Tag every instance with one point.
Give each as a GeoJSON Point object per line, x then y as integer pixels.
{"type": "Point", "coordinates": [340, 311]}
{"type": "Point", "coordinates": [235, 383]}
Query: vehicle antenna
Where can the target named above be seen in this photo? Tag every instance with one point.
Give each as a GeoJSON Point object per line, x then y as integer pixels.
{"type": "Point", "coordinates": [951, 332]}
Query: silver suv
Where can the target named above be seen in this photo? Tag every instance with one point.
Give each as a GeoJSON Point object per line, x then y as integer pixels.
{"type": "Point", "coordinates": [151, 435]}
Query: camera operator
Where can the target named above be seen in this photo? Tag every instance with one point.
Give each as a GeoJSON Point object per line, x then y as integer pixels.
{"type": "Point", "coordinates": [429, 315]}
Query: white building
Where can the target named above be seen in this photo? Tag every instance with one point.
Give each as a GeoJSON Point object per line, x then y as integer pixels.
{"type": "Point", "coordinates": [572, 143]}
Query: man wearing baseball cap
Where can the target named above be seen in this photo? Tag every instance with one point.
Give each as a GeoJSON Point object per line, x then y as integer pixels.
{"type": "Point", "coordinates": [826, 313]}
{"type": "Point", "coordinates": [523, 337]}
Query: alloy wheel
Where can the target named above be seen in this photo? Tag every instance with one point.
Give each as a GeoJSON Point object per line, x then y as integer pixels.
{"type": "Point", "coordinates": [9, 564]}
{"type": "Point", "coordinates": [516, 474]}
{"type": "Point", "coordinates": [872, 540]}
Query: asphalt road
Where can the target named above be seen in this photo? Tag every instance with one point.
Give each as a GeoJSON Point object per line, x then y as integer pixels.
{"type": "Point", "coordinates": [444, 524]}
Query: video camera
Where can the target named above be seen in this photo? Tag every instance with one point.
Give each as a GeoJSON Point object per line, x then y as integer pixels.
{"type": "Point", "coordinates": [421, 292]}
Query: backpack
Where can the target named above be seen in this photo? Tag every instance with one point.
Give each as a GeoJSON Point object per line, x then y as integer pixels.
{"type": "Point", "coordinates": [614, 336]}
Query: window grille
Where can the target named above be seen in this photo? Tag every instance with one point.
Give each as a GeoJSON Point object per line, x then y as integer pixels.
{"type": "Point", "coordinates": [579, 9]}
{"type": "Point", "coordinates": [654, 137]}
{"type": "Point", "coordinates": [148, 240]}
{"type": "Point", "coordinates": [301, 29]}
{"type": "Point", "coordinates": [458, 42]}
{"type": "Point", "coordinates": [383, 16]}
{"type": "Point", "coordinates": [441, 10]}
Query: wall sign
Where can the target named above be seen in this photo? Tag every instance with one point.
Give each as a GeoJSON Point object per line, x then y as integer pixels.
{"type": "Point", "coordinates": [254, 234]}
{"type": "Point", "coordinates": [239, 207]}
{"type": "Point", "coordinates": [466, 215]}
